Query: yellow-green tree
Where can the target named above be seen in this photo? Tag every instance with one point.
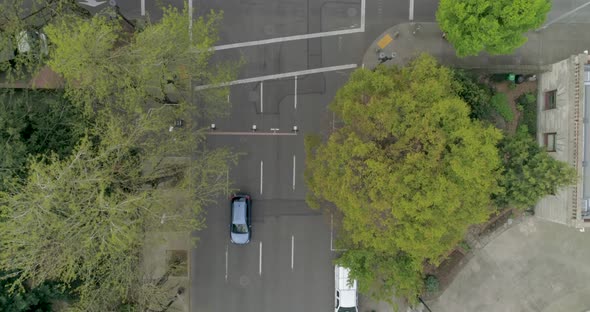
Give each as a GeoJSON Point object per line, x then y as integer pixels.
{"type": "Point", "coordinates": [409, 171]}
{"type": "Point", "coordinates": [494, 26]}
{"type": "Point", "coordinates": [81, 219]}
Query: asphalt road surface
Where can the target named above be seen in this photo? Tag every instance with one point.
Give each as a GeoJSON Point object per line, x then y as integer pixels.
{"type": "Point", "coordinates": [288, 264]}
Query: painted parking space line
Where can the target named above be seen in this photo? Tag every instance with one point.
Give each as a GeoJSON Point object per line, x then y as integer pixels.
{"type": "Point", "coordinates": [411, 10]}
{"type": "Point", "coordinates": [143, 7]}
{"type": "Point", "coordinates": [332, 235]}
{"type": "Point", "coordinates": [227, 182]}
{"type": "Point", "coordinates": [278, 76]}
{"type": "Point", "coordinates": [226, 260]}
{"type": "Point", "coordinates": [251, 133]}
{"type": "Point", "coordinates": [298, 37]}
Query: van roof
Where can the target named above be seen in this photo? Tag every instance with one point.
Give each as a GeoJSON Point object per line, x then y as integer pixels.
{"type": "Point", "coordinates": [347, 291]}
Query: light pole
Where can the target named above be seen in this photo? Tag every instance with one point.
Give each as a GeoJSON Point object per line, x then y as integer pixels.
{"type": "Point", "coordinates": [424, 303]}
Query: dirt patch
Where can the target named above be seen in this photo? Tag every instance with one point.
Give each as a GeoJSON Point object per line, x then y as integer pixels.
{"type": "Point", "coordinates": [513, 92]}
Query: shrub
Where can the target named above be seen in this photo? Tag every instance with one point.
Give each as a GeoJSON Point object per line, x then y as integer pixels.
{"type": "Point", "coordinates": [498, 77]}
{"type": "Point", "coordinates": [499, 102]}
{"type": "Point", "coordinates": [529, 172]}
{"type": "Point", "coordinates": [431, 283]}
{"type": "Point", "coordinates": [476, 95]}
{"type": "Point", "coordinates": [528, 102]}
{"type": "Point", "coordinates": [529, 98]}
{"type": "Point", "coordinates": [465, 245]}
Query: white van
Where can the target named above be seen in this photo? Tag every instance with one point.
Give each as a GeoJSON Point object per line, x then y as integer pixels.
{"type": "Point", "coordinates": [345, 297]}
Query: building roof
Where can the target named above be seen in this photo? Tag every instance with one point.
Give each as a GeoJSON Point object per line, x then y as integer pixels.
{"type": "Point", "coordinates": [586, 145]}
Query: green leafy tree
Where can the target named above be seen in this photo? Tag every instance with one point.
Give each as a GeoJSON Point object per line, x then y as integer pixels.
{"type": "Point", "coordinates": [35, 123]}
{"type": "Point", "coordinates": [529, 172]}
{"type": "Point", "coordinates": [142, 167]}
{"type": "Point", "coordinates": [106, 67]}
{"type": "Point", "coordinates": [38, 299]}
{"type": "Point", "coordinates": [495, 26]}
{"type": "Point", "coordinates": [477, 95]}
{"type": "Point", "coordinates": [81, 220]}
{"type": "Point", "coordinates": [409, 171]}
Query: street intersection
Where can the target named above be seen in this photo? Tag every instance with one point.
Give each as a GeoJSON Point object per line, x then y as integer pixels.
{"type": "Point", "coordinates": [297, 54]}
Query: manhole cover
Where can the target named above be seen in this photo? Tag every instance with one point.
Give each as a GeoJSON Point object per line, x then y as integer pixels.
{"type": "Point", "coordinates": [352, 12]}
{"type": "Point", "coordinates": [244, 281]}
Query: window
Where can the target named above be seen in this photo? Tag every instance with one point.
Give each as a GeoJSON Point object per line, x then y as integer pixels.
{"type": "Point", "coordinates": [550, 141]}
{"type": "Point", "coordinates": [239, 228]}
{"type": "Point", "coordinates": [551, 99]}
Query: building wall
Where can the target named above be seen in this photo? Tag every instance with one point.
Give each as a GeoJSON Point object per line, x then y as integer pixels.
{"type": "Point", "coordinates": [558, 207]}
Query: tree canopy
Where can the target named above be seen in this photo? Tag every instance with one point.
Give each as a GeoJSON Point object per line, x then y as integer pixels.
{"type": "Point", "coordinates": [409, 171]}
{"type": "Point", "coordinates": [29, 15]}
{"type": "Point", "coordinates": [494, 26]}
{"type": "Point", "coordinates": [35, 122]}
{"type": "Point", "coordinates": [38, 299]}
{"type": "Point", "coordinates": [80, 218]}
{"type": "Point", "coordinates": [529, 172]}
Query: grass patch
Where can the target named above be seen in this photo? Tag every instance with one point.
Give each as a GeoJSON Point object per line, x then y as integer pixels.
{"type": "Point", "coordinates": [500, 104]}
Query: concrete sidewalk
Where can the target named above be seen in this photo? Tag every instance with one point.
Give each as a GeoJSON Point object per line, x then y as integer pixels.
{"type": "Point", "coordinates": [534, 265]}
{"type": "Point", "coordinates": [158, 248]}
{"type": "Point", "coordinates": [471, 289]}
{"type": "Point", "coordinates": [544, 47]}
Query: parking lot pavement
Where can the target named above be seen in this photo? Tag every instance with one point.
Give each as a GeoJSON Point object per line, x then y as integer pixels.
{"type": "Point", "coordinates": [533, 266]}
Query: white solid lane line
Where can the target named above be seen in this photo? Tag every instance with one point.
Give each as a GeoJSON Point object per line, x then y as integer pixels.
{"type": "Point", "coordinates": [226, 260]}
{"type": "Point", "coordinates": [298, 37]}
{"type": "Point", "coordinates": [290, 38]}
{"type": "Point", "coordinates": [261, 96]}
{"type": "Point", "coordinates": [564, 15]}
{"type": "Point", "coordinates": [278, 76]}
{"type": "Point", "coordinates": [293, 172]}
{"type": "Point", "coordinates": [261, 174]}
{"type": "Point", "coordinates": [295, 92]}
{"type": "Point", "coordinates": [143, 7]}
{"type": "Point", "coordinates": [363, 6]}
{"type": "Point", "coordinates": [292, 250]}
{"type": "Point", "coordinates": [260, 260]}
{"type": "Point", "coordinates": [411, 10]}
{"type": "Point", "coordinates": [190, 20]}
